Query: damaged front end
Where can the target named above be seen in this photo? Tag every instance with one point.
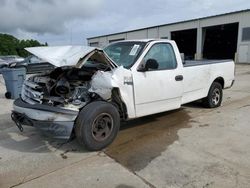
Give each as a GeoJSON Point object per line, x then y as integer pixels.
{"type": "Point", "coordinates": [64, 88]}
{"type": "Point", "coordinates": [52, 102]}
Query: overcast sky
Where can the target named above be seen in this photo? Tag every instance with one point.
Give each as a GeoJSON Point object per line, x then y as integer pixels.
{"type": "Point", "coordinates": [55, 21]}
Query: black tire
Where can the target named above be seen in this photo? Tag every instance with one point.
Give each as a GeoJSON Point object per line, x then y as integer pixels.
{"type": "Point", "coordinates": [214, 97]}
{"type": "Point", "coordinates": [97, 125]}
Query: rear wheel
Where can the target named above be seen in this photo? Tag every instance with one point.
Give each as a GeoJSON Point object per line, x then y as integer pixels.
{"type": "Point", "coordinates": [214, 97]}
{"type": "Point", "coordinates": [97, 125]}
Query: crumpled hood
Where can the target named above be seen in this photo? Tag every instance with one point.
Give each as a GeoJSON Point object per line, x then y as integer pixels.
{"type": "Point", "coordinates": [75, 56]}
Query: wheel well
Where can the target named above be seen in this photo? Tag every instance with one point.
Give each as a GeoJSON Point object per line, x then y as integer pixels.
{"type": "Point", "coordinates": [220, 80]}
{"type": "Point", "coordinates": [116, 99]}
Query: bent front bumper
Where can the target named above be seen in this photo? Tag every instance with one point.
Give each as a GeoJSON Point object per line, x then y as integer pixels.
{"type": "Point", "coordinates": [54, 121]}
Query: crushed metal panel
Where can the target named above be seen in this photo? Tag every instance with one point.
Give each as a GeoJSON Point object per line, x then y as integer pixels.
{"type": "Point", "coordinates": [76, 56]}
{"type": "Point", "coordinates": [61, 55]}
{"type": "Point", "coordinates": [122, 78]}
{"type": "Point", "coordinates": [42, 115]}
{"type": "Point", "coordinates": [103, 82]}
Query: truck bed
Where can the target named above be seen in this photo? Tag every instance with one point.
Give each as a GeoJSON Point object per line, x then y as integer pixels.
{"type": "Point", "coordinates": [198, 79]}
{"type": "Point", "coordinates": [191, 63]}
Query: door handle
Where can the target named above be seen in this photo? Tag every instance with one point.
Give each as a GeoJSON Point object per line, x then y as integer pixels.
{"type": "Point", "coordinates": [179, 78]}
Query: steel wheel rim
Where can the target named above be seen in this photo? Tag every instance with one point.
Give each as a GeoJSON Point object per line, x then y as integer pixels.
{"type": "Point", "coordinates": [216, 96]}
{"type": "Point", "coordinates": [102, 127]}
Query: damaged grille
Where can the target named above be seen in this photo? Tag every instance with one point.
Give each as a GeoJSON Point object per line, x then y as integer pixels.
{"type": "Point", "coordinates": [30, 93]}
{"type": "Point", "coordinates": [66, 88]}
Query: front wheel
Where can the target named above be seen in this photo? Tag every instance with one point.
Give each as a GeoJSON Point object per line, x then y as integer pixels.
{"type": "Point", "coordinates": [214, 97]}
{"type": "Point", "coordinates": [97, 125]}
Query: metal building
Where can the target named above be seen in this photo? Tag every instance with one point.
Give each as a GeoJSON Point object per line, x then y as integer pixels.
{"type": "Point", "coordinates": [224, 36]}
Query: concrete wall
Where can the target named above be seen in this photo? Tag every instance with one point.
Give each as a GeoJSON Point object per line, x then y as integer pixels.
{"type": "Point", "coordinates": [243, 47]}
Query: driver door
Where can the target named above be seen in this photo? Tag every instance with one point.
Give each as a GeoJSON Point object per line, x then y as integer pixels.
{"type": "Point", "coordinates": [158, 89]}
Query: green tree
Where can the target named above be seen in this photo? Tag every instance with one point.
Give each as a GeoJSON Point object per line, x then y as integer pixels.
{"type": "Point", "coordinates": [9, 45]}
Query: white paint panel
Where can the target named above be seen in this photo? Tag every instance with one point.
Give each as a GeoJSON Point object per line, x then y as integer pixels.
{"type": "Point", "coordinates": [195, 82]}
{"type": "Point", "coordinates": [157, 91]}
{"type": "Point", "coordinates": [198, 79]}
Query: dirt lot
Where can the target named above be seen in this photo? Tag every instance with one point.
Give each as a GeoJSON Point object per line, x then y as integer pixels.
{"type": "Point", "coordinates": [190, 147]}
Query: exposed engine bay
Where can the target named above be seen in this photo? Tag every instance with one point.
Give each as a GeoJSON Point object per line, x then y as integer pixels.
{"type": "Point", "coordinates": [65, 87]}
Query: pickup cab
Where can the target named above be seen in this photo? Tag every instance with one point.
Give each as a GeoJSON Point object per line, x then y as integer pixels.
{"type": "Point", "coordinates": [91, 90]}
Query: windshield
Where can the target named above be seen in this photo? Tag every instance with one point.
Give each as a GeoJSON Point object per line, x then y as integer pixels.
{"type": "Point", "coordinates": [124, 53]}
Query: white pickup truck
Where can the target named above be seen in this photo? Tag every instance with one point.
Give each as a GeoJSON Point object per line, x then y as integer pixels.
{"type": "Point", "coordinates": [92, 90]}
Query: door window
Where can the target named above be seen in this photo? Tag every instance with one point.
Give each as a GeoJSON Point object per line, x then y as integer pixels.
{"type": "Point", "coordinates": [164, 54]}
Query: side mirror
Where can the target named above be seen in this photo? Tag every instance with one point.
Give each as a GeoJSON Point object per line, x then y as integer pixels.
{"type": "Point", "coordinates": [150, 64]}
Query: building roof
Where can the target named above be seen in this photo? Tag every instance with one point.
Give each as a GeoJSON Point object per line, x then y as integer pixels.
{"type": "Point", "coordinates": [196, 19]}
